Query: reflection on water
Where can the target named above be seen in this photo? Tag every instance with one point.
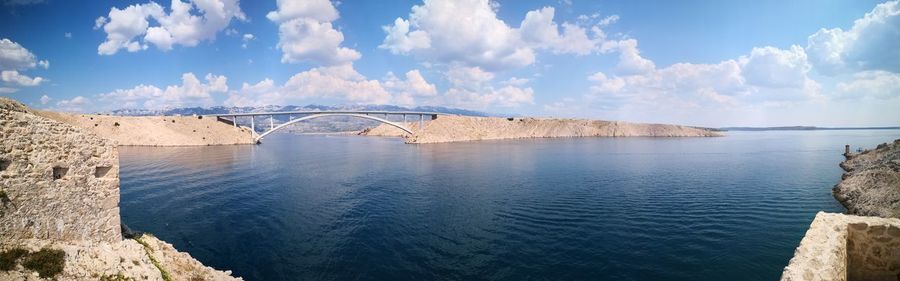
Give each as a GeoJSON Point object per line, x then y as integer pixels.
{"type": "Point", "coordinates": [345, 207]}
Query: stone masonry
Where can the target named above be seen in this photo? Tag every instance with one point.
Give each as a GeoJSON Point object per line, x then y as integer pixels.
{"type": "Point", "coordinates": [847, 247]}
{"type": "Point", "coordinates": [57, 182]}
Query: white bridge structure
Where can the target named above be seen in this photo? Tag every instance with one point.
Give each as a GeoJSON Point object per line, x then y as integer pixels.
{"type": "Point", "coordinates": [300, 116]}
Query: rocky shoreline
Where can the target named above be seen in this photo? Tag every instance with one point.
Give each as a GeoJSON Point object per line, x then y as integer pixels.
{"type": "Point", "coordinates": [871, 184]}
{"type": "Point", "coordinates": [59, 209]}
{"type": "Point", "coordinates": [447, 128]}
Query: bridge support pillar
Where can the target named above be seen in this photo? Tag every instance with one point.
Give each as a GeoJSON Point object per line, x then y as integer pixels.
{"type": "Point", "coordinates": [421, 121]}
{"type": "Point", "coordinates": [271, 122]}
{"type": "Point", "coordinates": [234, 121]}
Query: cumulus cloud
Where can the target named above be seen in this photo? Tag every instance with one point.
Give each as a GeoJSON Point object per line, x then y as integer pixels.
{"type": "Point", "coordinates": [766, 74]}
{"type": "Point", "coordinates": [508, 96]}
{"type": "Point", "coordinates": [15, 57]}
{"type": "Point", "coordinates": [336, 83]}
{"type": "Point", "coordinates": [870, 44]}
{"type": "Point", "coordinates": [406, 91]}
{"type": "Point", "coordinates": [434, 31]}
{"type": "Point", "coordinates": [471, 88]}
{"type": "Point", "coordinates": [74, 104]}
{"type": "Point", "coordinates": [191, 92]}
{"type": "Point", "coordinates": [45, 99]}
{"type": "Point", "coordinates": [13, 77]}
{"type": "Point", "coordinates": [539, 30]}
{"type": "Point", "coordinates": [180, 26]}
{"type": "Point", "coordinates": [306, 33]}
{"type": "Point", "coordinates": [876, 83]}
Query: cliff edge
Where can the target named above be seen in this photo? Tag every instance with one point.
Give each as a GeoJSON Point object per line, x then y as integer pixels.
{"type": "Point", "coordinates": [59, 209]}
{"type": "Point", "coordinates": [447, 128]}
{"type": "Point", "coordinates": [871, 184]}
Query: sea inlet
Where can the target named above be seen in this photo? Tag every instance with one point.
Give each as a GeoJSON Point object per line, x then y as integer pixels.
{"type": "Point", "coordinates": [366, 208]}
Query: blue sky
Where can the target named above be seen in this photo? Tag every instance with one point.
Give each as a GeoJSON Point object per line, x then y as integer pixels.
{"type": "Point", "coordinates": [708, 63]}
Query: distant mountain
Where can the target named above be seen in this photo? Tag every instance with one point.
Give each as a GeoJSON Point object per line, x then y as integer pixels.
{"type": "Point", "coordinates": [802, 128]}
{"type": "Point", "coordinates": [277, 108]}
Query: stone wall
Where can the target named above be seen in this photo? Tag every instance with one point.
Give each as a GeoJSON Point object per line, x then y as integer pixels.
{"type": "Point", "coordinates": [847, 247]}
{"type": "Point", "coordinates": [57, 182]}
{"type": "Point", "coordinates": [873, 252]}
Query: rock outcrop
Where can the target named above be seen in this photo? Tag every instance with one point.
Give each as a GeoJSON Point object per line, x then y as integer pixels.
{"type": "Point", "coordinates": [871, 184]}
{"type": "Point", "coordinates": [448, 128]}
{"type": "Point", "coordinates": [59, 194]}
{"type": "Point", "coordinates": [156, 130]}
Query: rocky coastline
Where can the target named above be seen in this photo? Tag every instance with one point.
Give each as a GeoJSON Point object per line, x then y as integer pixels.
{"type": "Point", "coordinates": [59, 209]}
{"type": "Point", "coordinates": [870, 185]}
{"type": "Point", "coordinates": [448, 128]}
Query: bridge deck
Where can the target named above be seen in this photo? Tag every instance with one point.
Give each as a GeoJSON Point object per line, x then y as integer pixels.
{"type": "Point", "coordinates": [327, 112]}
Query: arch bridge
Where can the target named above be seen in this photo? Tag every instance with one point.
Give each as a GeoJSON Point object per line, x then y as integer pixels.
{"type": "Point", "coordinates": [300, 116]}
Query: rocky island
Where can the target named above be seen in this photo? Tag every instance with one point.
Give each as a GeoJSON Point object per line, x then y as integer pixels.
{"type": "Point", "coordinates": [447, 128]}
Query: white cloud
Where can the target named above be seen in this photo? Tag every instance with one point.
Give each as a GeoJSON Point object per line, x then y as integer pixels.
{"type": "Point", "coordinates": [336, 83]}
{"type": "Point", "coordinates": [515, 81]}
{"type": "Point", "coordinates": [306, 33]}
{"type": "Point", "coordinates": [45, 99]}
{"type": "Point", "coordinates": [192, 92]}
{"type": "Point", "coordinates": [68, 34]}
{"type": "Point", "coordinates": [99, 22]}
{"type": "Point", "coordinates": [400, 40]}
{"type": "Point", "coordinates": [179, 27]}
{"type": "Point", "coordinates": [306, 40]}
{"type": "Point", "coordinates": [870, 44]}
{"type": "Point", "coordinates": [776, 68]}
{"type": "Point", "coordinates": [13, 77]}
{"type": "Point", "coordinates": [539, 30]}
{"type": "Point", "coordinates": [406, 91]}
{"type": "Point", "coordinates": [471, 88]}
{"type": "Point", "coordinates": [471, 78]}
{"type": "Point", "coordinates": [15, 57]}
{"type": "Point", "coordinates": [877, 84]}
{"type": "Point", "coordinates": [630, 60]}
{"type": "Point", "coordinates": [508, 96]}
{"type": "Point", "coordinates": [468, 32]}
{"type": "Point", "coordinates": [768, 74]}
{"type": "Point", "coordinates": [319, 10]}
{"type": "Point", "coordinates": [246, 39]}
{"type": "Point", "coordinates": [74, 104]}
{"type": "Point", "coordinates": [7, 90]}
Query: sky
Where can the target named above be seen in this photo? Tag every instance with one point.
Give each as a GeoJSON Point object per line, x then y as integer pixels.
{"type": "Point", "coordinates": [703, 63]}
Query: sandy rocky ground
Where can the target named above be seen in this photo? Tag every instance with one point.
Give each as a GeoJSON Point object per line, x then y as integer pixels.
{"type": "Point", "coordinates": [156, 130]}
{"type": "Point", "coordinates": [871, 184]}
{"type": "Point", "coordinates": [448, 128]}
{"type": "Point", "coordinates": [130, 257]}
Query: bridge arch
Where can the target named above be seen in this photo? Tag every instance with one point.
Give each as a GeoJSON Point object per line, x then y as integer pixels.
{"type": "Point", "coordinates": [314, 116]}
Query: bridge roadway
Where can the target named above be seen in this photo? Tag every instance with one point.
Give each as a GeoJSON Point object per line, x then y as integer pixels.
{"type": "Point", "coordinates": [306, 115]}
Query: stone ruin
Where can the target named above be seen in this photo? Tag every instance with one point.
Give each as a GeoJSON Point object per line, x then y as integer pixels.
{"type": "Point", "coordinates": [847, 247]}
{"type": "Point", "coordinates": [57, 182]}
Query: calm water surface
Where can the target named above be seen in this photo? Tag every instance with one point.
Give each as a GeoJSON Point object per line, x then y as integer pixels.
{"type": "Point", "coordinates": [358, 208]}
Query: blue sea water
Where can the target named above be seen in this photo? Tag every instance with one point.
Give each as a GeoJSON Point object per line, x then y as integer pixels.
{"type": "Point", "coordinates": [365, 208]}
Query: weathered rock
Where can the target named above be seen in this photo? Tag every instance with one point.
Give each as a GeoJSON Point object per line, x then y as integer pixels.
{"type": "Point", "coordinates": [871, 186]}
{"type": "Point", "coordinates": [60, 183]}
